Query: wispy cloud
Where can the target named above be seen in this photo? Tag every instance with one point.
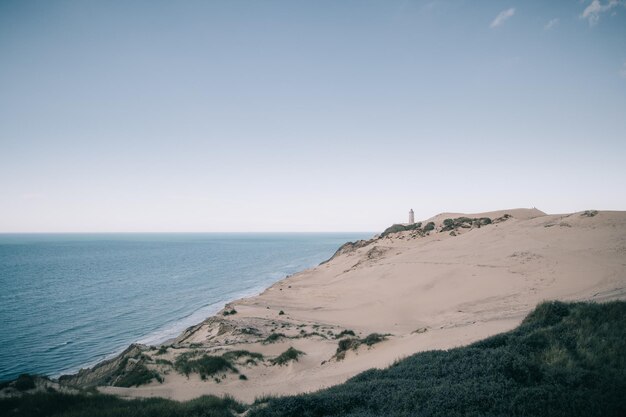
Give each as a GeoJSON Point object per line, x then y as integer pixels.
{"type": "Point", "coordinates": [596, 8]}
{"type": "Point", "coordinates": [552, 23]}
{"type": "Point", "coordinates": [502, 17]}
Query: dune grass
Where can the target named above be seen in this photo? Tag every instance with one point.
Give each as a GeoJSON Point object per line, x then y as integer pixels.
{"type": "Point", "coordinates": [287, 356]}
{"type": "Point", "coordinates": [206, 365]}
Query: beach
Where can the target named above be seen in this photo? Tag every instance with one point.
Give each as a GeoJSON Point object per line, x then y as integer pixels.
{"type": "Point", "coordinates": [418, 290]}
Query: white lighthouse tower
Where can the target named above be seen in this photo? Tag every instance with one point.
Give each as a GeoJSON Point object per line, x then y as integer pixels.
{"type": "Point", "coordinates": [411, 217]}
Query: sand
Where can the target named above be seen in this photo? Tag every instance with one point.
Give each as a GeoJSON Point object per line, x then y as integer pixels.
{"type": "Point", "coordinates": [432, 292]}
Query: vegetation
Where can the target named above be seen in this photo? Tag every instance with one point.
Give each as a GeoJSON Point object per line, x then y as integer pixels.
{"type": "Point", "coordinates": [345, 333]}
{"type": "Point", "coordinates": [250, 331]}
{"type": "Point", "coordinates": [24, 382]}
{"type": "Point", "coordinates": [138, 375]}
{"type": "Point", "coordinates": [589, 213]}
{"type": "Point", "coordinates": [353, 343]}
{"type": "Point", "coordinates": [400, 228]}
{"type": "Point", "coordinates": [452, 224]}
{"type": "Point", "coordinates": [273, 338]}
{"type": "Point", "coordinates": [429, 226]}
{"type": "Point", "coordinates": [99, 405]}
{"type": "Point", "coordinates": [233, 355]}
{"type": "Point", "coordinates": [289, 355]}
{"type": "Point", "coordinates": [563, 360]}
{"type": "Point", "coordinates": [206, 365]}
{"type": "Point", "coordinates": [229, 312]}
{"type": "Point", "coordinates": [281, 312]}
{"type": "Point", "coordinates": [162, 350]}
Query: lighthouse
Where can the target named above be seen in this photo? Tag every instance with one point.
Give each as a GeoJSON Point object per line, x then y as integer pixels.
{"type": "Point", "coordinates": [411, 217]}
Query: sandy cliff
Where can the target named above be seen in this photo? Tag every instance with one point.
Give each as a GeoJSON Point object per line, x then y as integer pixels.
{"type": "Point", "coordinates": [461, 282]}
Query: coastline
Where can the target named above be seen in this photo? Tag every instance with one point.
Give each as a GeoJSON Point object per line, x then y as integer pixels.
{"type": "Point", "coordinates": [105, 292]}
{"type": "Point", "coordinates": [420, 291]}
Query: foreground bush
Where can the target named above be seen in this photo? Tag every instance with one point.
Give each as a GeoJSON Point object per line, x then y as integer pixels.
{"type": "Point", "coordinates": [98, 405]}
{"type": "Point", "coordinates": [563, 360]}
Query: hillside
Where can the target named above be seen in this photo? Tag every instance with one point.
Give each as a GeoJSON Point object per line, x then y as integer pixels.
{"type": "Point", "coordinates": [417, 290]}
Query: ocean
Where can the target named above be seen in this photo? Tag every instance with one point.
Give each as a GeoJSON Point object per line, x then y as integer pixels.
{"type": "Point", "coordinates": [71, 300]}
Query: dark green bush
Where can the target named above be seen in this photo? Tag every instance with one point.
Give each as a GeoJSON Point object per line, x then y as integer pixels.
{"type": "Point", "coordinates": [273, 338]}
{"type": "Point", "coordinates": [400, 228]}
{"type": "Point", "coordinates": [206, 365]}
{"type": "Point", "coordinates": [373, 338]}
{"type": "Point", "coordinates": [347, 344]}
{"type": "Point", "coordinates": [345, 333]}
{"type": "Point", "coordinates": [289, 355]}
{"type": "Point", "coordinates": [429, 226]}
{"type": "Point", "coordinates": [24, 382]}
{"type": "Point", "coordinates": [138, 375]}
{"type": "Point", "coordinates": [236, 354]}
{"type": "Point", "coordinates": [99, 405]}
{"type": "Point", "coordinates": [353, 343]}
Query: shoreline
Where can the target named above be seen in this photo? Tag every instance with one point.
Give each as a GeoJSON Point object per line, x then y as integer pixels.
{"type": "Point", "coordinates": [198, 319]}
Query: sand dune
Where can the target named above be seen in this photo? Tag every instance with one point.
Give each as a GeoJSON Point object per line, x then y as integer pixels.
{"type": "Point", "coordinates": [435, 291]}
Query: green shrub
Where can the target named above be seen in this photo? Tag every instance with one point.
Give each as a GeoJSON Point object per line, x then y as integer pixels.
{"type": "Point", "coordinates": [281, 312]}
{"type": "Point", "coordinates": [236, 354]}
{"type": "Point", "coordinates": [24, 382]}
{"type": "Point", "coordinates": [373, 338]}
{"type": "Point", "coordinates": [289, 355]}
{"type": "Point", "coordinates": [162, 350]}
{"type": "Point", "coordinates": [100, 405]}
{"type": "Point", "coordinates": [206, 365]}
{"type": "Point", "coordinates": [345, 333]}
{"type": "Point", "coordinates": [400, 228]}
{"type": "Point", "coordinates": [353, 343]}
{"type": "Point", "coordinates": [273, 338]}
{"type": "Point", "coordinates": [429, 226]}
{"type": "Point", "coordinates": [138, 375]}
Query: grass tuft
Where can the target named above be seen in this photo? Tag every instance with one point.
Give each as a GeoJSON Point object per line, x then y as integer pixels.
{"type": "Point", "coordinates": [287, 356]}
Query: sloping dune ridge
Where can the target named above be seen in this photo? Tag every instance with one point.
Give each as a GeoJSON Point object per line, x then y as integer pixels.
{"type": "Point", "coordinates": [423, 290]}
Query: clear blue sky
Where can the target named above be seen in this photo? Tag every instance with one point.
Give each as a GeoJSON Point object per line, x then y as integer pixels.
{"type": "Point", "coordinates": [306, 115]}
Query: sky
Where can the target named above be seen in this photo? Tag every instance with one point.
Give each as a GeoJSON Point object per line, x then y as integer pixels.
{"type": "Point", "coordinates": [248, 116]}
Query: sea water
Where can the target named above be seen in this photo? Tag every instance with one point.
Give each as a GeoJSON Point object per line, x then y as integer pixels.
{"type": "Point", "coordinates": [71, 300]}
